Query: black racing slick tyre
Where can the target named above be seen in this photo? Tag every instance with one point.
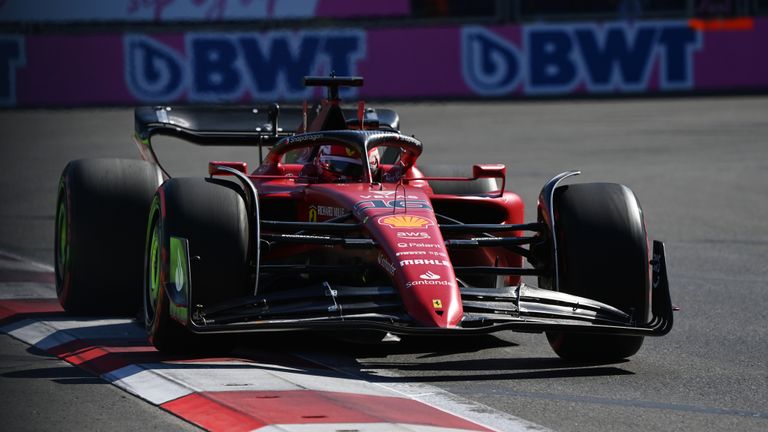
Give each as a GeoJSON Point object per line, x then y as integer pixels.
{"type": "Point", "coordinates": [481, 186]}
{"type": "Point", "coordinates": [101, 215]}
{"type": "Point", "coordinates": [211, 216]}
{"type": "Point", "coordinates": [602, 255]}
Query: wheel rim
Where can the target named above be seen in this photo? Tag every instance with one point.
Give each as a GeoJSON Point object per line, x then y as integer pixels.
{"type": "Point", "coordinates": [153, 270]}
{"type": "Point", "coordinates": [62, 244]}
{"type": "Point", "coordinates": [153, 262]}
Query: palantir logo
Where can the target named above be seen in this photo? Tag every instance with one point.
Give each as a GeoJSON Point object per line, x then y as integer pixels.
{"type": "Point", "coordinates": [490, 64]}
{"type": "Point", "coordinates": [430, 276]}
{"type": "Point", "coordinates": [154, 72]}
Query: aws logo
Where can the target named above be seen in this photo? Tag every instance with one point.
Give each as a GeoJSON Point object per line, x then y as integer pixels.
{"type": "Point", "coordinates": [405, 221]}
{"type": "Point", "coordinates": [412, 235]}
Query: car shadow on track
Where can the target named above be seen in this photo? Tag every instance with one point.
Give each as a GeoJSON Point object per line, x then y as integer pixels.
{"type": "Point", "coordinates": [419, 359]}
{"type": "Point", "coordinates": [100, 346]}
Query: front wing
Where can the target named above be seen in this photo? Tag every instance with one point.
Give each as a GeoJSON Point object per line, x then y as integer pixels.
{"type": "Point", "coordinates": [518, 308]}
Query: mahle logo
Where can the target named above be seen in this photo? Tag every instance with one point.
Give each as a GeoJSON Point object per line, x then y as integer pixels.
{"type": "Point", "coordinates": [404, 221]}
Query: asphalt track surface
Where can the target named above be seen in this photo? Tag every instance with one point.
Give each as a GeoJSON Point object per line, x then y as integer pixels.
{"type": "Point", "coordinates": [698, 166]}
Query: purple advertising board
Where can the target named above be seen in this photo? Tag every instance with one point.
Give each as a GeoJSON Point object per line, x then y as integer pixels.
{"type": "Point", "coordinates": [80, 11]}
{"type": "Point", "coordinates": [644, 57]}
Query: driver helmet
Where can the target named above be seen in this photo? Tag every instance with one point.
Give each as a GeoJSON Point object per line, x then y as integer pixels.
{"type": "Point", "coordinates": [338, 162]}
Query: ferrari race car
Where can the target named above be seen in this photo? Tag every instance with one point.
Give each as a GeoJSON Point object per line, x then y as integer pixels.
{"type": "Point", "coordinates": [339, 229]}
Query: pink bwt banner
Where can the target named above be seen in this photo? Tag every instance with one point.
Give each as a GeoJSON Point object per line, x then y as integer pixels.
{"type": "Point", "coordinates": [78, 11]}
{"type": "Point", "coordinates": [416, 63]}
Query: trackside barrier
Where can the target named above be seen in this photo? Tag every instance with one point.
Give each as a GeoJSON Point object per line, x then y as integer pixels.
{"type": "Point", "coordinates": [473, 61]}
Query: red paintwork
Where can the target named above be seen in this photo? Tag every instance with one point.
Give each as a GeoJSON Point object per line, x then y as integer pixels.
{"type": "Point", "coordinates": [400, 217]}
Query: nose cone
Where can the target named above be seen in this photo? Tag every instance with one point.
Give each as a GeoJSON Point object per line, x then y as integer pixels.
{"type": "Point", "coordinates": [413, 252]}
{"type": "Point", "coordinates": [429, 290]}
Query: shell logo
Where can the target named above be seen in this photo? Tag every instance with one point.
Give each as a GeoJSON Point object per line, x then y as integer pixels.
{"type": "Point", "coordinates": [405, 221]}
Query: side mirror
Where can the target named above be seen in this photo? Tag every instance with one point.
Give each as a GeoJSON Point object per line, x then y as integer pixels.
{"type": "Point", "coordinates": [491, 171]}
{"type": "Point", "coordinates": [214, 170]}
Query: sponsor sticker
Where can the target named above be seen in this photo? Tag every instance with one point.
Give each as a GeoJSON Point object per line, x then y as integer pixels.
{"type": "Point", "coordinates": [405, 263]}
{"type": "Point", "coordinates": [410, 253]}
{"type": "Point", "coordinates": [419, 245]}
{"type": "Point", "coordinates": [302, 138]}
{"type": "Point", "coordinates": [322, 210]}
{"type": "Point", "coordinates": [429, 276]}
{"type": "Point", "coordinates": [427, 282]}
{"type": "Point", "coordinates": [361, 206]}
{"type": "Point", "coordinates": [386, 195]}
{"type": "Point", "coordinates": [413, 235]}
{"type": "Point", "coordinates": [405, 221]}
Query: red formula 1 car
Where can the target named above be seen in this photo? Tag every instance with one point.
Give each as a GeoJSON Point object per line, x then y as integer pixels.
{"type": "Point", "coordinates": [340, 229]}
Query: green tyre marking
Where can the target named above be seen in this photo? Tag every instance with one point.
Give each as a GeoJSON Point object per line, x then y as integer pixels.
{"type": "Point", "coordinates": [154, 267]}
{"type": "Point", "coordinates": [154, 262]}
{"type": "Point", "coordinates": [179, 279]}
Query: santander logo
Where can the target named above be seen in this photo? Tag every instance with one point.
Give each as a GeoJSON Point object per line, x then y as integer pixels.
{"type": "Point", "coordinates": [430, 276]}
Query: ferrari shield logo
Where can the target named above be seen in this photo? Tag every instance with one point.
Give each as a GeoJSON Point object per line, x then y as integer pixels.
{"type": "Point", "coordinates": [437, 304]}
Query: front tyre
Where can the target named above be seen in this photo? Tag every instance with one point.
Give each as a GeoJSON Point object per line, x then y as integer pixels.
{"type": "Point", "coordinates": [210, 214]}
{"type": "Point", "coordinates": [602, 255]}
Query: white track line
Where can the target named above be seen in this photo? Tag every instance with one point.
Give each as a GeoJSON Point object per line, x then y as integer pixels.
{"type": "Point", "coordinates": [162, 382]}
{"type": "Point", "coordinates": [356, 427]}
{"type": "Point", "coordinates": [23, 263]}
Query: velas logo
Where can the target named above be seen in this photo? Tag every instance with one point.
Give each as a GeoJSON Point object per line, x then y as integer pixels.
{"type": "Point", "coordinates": [405, 221]}
{"type": "Point", "coordinates": [380, 204]}
{"type": "Point", "coordinates": [430, 276]}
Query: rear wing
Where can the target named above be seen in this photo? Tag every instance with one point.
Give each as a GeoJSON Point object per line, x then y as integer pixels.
{"type": "Point", "coordinates": [242, 125]}
{"type": "Point", "coordinates": [235, 125]}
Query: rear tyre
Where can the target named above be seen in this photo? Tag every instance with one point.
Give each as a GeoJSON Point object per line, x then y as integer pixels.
{"type": "Point", "coordinates": [603, 255]}
{"type": "Point", "coordinates": [477, 187]}
{"type": "Point", "coordinates": [211, 215]}
{"type": "Point", "coordinates": [101, 215]}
